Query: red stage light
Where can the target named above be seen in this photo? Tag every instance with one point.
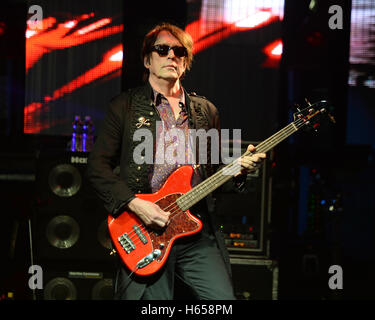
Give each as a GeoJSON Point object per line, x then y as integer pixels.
{"type": "Point", "coordinates": [54, 36]}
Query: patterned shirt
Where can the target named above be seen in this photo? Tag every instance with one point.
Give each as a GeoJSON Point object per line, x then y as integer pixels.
{"type": "Point", "coordinates": [176, 150]}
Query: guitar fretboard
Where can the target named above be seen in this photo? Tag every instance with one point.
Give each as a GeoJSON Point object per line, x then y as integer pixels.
{"type": "Point", "coordinates": [223, 175]}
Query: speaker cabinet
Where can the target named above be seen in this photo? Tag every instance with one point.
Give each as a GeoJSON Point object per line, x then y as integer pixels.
{"type": "Point", "coordinates": [245, 217]}
{"type": "Point", "coordinates": [62, 234]}
{"type": "Point", "coordinates": [255, 279]}
{"type": "Point", "coordinates": [69, 226]}
{"type": "Point", "coordinates": [76, 283]}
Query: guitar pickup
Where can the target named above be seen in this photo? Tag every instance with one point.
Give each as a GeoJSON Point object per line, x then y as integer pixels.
{"type": "Point", "coordinates": [126, 243]}
{"type": "Point", "coordinates": [140, 234]}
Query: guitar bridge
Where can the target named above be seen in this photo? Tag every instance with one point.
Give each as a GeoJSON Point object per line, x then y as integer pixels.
{"type": "Point", "coordinates": [126, 243]}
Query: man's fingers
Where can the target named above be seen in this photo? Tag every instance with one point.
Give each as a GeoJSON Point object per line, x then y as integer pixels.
{"type": "Point", "coordinates": [164, 213]}
{"type": "Point", "coordinates": [162, 218]}
{"type": "Point", "coordinates": [253, 161]}
{"type": "Point", "coordinates": [250, 148]}
{"type": "Point", "coordinates": [150, 213]}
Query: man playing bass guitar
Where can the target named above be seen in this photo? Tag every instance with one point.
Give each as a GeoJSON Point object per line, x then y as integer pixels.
{"type": "Point", "coordinates": [200, 260]}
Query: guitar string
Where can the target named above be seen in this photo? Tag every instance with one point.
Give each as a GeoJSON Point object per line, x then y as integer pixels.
{"type": "Point", "coordinates": [215, 179]}
{"type": "Point", "coordinates": [278, 136]}
{"type": "Point", "coordinates": [174, 206]}
{"type": "Point", "coordinates": [274, 139]}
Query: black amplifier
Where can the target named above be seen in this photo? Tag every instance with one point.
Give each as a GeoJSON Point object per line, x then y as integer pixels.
{"type": "Point", "coordinates": [245, 217]}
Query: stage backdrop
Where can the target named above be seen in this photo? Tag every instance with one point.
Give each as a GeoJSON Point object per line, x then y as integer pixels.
{"type": "Point", "coordinates": [361, 111]}
{"type": "Point", "coordinates": [238, 48]}
{"type": "Point", "coordinates": [73, 63]}
{"type": "Point", "coordinates": [362, 44]}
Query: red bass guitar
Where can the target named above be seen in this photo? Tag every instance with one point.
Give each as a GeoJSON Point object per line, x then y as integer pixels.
{"type": "Point", "coordinates": [144, 251]}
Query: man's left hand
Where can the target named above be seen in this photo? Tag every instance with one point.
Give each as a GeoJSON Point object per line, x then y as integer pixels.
{"type": "Point", "coordinates": [252, 162]}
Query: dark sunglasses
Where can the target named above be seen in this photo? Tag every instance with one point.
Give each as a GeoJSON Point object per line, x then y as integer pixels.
{"type": "Point", "coordinates": [163, 50]}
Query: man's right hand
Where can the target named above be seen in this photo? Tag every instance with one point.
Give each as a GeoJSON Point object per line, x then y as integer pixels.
{"type": "Point", "coordinates": [149, 212]}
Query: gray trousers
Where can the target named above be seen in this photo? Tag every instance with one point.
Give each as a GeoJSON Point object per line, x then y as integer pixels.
{"type": "Point", "coordinates": [196, 260]}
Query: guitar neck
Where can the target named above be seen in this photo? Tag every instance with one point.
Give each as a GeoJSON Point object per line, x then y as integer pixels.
{"type": "Point", "coordinates": [223, 175]}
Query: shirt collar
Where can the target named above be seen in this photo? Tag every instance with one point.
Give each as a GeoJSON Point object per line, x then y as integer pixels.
{"type": "Point", "coordinates": [157, 96]}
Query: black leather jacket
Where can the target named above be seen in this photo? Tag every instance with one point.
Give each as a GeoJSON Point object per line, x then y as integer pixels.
{"type": "Point", "coordinates": [114, 149]}
{"type": "Point", "coordinates": [114, 146]}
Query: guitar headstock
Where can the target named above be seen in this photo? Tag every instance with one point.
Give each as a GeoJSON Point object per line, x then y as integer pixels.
{"type": "Point", "coordinates": [311, 116]}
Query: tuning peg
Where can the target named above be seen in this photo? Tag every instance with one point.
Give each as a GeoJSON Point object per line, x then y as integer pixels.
{"type": "Point", "coordinates": [308, 102]}
{"type": "Point", "coordinates": [331, 118]}
{"type": "Point", "coordinates": [298, 107]}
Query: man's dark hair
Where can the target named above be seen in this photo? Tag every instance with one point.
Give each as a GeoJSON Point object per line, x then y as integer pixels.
{"type": "Point", "coordinates": [182, 36]}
